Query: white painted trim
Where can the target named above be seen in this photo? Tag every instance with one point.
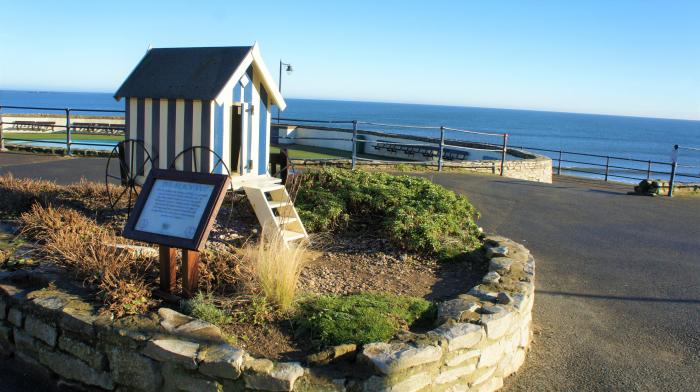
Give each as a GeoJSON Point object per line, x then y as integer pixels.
{"type": "Point", "coordinates": [163, 135]}
{"type": "Point", "coordinates": [133, 118]}
{"type": "Point", "coordinates": [244, 139]}
{"type": "Point", "coordinates": [268, 122]}
{"type": "Point", "coordinates": [197, 129]}
{"type": "Point", "coordinates": [179, 131]}
{"type": "Point", "coordinates": [148, 131]}
{"type": "Point", "coordinates": [255, 126]}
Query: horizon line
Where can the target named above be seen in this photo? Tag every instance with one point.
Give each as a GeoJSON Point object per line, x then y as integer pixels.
{"type": "Point", "coordinates": [406, 103]}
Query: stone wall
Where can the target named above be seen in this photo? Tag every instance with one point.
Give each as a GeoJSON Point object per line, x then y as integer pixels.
{"type": "Point", "coordinates": [483, 337]}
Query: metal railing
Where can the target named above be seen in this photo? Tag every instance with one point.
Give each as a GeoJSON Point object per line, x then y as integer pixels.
{"type": "Point", "coordinates": [441, 148]}
{"type": "Point", "coordinates": [69, 128]}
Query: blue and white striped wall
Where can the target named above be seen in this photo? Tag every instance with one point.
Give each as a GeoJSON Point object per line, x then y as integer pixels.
{"type": "Point", "coordinates": [169, 126]}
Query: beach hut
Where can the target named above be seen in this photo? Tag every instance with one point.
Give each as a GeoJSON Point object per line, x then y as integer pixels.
{"type": "Point", "coordinates": [215, 97]}
{"type": "Point", "coordinates": [219, 98]}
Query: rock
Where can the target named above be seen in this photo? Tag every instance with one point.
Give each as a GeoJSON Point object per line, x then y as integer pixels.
{"type": "Point", "coordinates": [280, 378]}
{"type": "Point", "coordinates": [455, 309]}
{"type": "Point", "coordinates": [3, 309]}
{"type": "Point", "coordinates": [500, 264]}
{"type": "Point", "coordinates": [5, 341]}
{"type": "Point", "coordinates": [50, 303]}
{"type": "Point", "coordinates": [180, 380]}
{"type": "Point", "coordinates": [492, 309]}
{"type": "Point", "coordinates": [134, 370]}
{"type": "Point", "coordinates": [78, 321]}
{"type": "Point", "coordinates": [451, 375]}
{"type": "Point", "coordinates": [221, 361]}
{"type": "Point", "coordinates": [41, 330]}
{"type": "Point", "coordinates": [491, 385]}
{"type": "Point", "coordinates": [479, 292]}
{"type": "Point", "coordinates": [496, 251]}
{"type": "Point", "coordinates": [172, 319]}
{"type": "Point", "coordinates": [15, 317]}
{"type": "Point", "coordinates": [172, 350]}
{"type": "Point", "coordinates": [459, 359]}
{"type": "Point", "coordinates": [388, 358]}
{"type": "Point", "coordinates": [74, 369]}
{"type": "Point", "coordinates": [414, 383]}
{"type": "Point", "coordinates": [199, 330]}
{"type": "Point", "coordinates": [496, 324]}
{"type": "Point", "coordinates": [343, 351]}
{"type": "Point", "coordinates": [86, 353]}
{"type": "Point", "coordinates": [491, 277]}
{"type": "Point", "coordinates": [504, 298]}
{"type": "Point", "coordinates": [459, 335]}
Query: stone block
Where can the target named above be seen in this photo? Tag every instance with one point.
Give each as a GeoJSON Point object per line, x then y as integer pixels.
{"type": "Point", "coordinates": [41, 330]}
{"type": "Point", "coordinates": [16, 317]}
{"type": "Point", "coordinates": [481, 375]}
{"type": "Point", "coordinates": [82, 351]}
{"type": "Point", "coordinates": [6, 346]}
{"type": "Point", "coordinates": [24, 342]}
{"type": "Point", "coordinates": [79, 321]}
{"type": "Point", "coordinates": [452, 374]}
{"type": "Point", "coordinates": [73, 369]}
{"type": "Point", "coordinates": [178, 379]}
{"type": "Point", "coordinates": [459, 335]}
{"type": "Point", "coordinates": [3, 308]}
{"type": "Point", "coordinates": [172, 319]}
{"type": "Point", "coordinates": [500, 264]}
{"type": "Point", "coordinates": [48, 304]}
{"type": "Point", "coordinates": [331, 354]}
{"type": "Point", "coordinates": [463, 357]}
{"type": "Point", "coordinates": [490, 355]}
{"type": "Point", "coordinates": [490, 385]}
{"type": "Point", "coordinates": [504, 298]}
{"type": "Point", "coordinates": [388, 358]}
{"type": "Point", "coordinates": [199, 330]}
{"type": "Point", "coordinates": [496, 251]}
{"type": "Point", "coordinates": [221, 361]}
{"type": "Point", "coordinates": [173, 350]}
{"type": "Point", "coordinates": [497, 324]}
{"type": "Point", "coordinates": [413, 383]}
{"type": "Point", "coordinates": [455, 309]}
{"type": "Point", "coordinates": [134, 370]}
{"type": "Point", "coordinates": [281, 377]}
{"type": "Point", "coordinates": [491, 277]}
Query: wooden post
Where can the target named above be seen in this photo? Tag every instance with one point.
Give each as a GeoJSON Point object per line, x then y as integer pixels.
{"type": "Point", "coordinates": [190, 272]}
{"type": "Point", "coordinates": [167, 258]}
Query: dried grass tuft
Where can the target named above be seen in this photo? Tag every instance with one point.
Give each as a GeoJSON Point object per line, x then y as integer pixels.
{"type": "Point", "coordinates": [276, 266]}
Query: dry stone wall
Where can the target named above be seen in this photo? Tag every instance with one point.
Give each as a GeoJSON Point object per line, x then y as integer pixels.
{"type": "Point", "coordinates": [483, 336]}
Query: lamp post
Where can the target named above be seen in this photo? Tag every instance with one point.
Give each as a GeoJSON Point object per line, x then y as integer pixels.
{"type": "Point", "coordinates": [289, 69]}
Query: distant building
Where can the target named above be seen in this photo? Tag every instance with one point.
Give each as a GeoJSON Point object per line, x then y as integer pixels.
{"type": "Point", "coordinates": [216, 97]}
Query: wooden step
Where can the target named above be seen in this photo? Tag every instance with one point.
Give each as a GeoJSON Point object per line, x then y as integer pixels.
{"type": "Point", "coordinates": [279, 204]}
{"type": "Point", "coordinates": [289, 235]}
{"type": "Point", "coordinates": [283, 220]}
{"type": "Point", "coordinates": [271, 187]}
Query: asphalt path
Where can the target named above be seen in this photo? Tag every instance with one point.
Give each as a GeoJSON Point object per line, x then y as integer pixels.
{"type": "Point", "coordinates": [617, 303]}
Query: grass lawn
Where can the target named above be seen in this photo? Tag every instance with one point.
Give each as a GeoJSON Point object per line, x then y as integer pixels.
{"type": "Point", "coordinates": [58, 135]}
{"type": "Point", "coordinates": [298, 151]}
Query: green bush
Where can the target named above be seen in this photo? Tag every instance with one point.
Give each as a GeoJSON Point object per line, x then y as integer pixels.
{"type": "Point", "coordinates": [361, 318]}
{"type": "Point", "coordinates": [203, 307]}
{"type": "Point", "coordinates": [413, 212]}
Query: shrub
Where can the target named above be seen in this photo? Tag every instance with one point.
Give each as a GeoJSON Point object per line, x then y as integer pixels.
{"type": "Point", "coordinates": [203, 307]}
{"type": "Point", "coordinates": [361, 318]}
{"type": "Point", "coordinates": [414, 213]}
{"type": "Point", "coordinates": [90, 253]}
{"type": "Point", "coordinates": [276, 266]}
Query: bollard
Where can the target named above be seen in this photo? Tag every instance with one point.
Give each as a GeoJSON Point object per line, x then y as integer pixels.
{"type": "Point", "coordinates": [68, 141]}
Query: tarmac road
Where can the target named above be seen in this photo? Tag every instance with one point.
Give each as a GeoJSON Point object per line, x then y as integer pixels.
{"type": "Point", "coordinates": [617, 304]}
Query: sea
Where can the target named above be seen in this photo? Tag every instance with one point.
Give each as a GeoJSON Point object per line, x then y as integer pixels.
{"type": "Point", "coordinates": [640, 138]}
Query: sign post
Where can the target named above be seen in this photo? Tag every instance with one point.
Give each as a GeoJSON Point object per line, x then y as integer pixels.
{"type": "Point", "coordinates": [176, 210]}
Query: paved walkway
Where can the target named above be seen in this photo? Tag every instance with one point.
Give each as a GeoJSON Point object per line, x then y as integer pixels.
{"type": "Point", "coordinates": [618, 277]}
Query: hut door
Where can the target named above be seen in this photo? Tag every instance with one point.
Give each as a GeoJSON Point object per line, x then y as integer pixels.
{"type": "Point", "coordinates": [236, 133]}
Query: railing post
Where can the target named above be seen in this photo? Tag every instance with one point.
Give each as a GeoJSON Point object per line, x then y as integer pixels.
{"type": "Point", "coordinates": [68, 141]}
{"type": "Point", "coordinates": [607, 167]}
{"type": "Point", "coordinates": [441, 149]}
{"type": "Point", "coordinates": [674, 164]}
{"type": "Point", "coordinates": [354, 144]}
{"type": "Point", "coordinates": [2, 139]}
{"type": "Point", "coordinates": [559, 163]}
{"type": "Point", "coordinates": [649, 170]}
{"type": "Point", "coordinates": [503, 153]}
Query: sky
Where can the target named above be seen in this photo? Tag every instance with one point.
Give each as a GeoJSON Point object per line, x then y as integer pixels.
{"type": "Point", "coordinates": [638, 58]}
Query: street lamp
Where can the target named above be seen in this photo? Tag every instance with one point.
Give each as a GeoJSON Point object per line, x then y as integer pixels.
{"type": "Point", "coordinates": [289, 69]}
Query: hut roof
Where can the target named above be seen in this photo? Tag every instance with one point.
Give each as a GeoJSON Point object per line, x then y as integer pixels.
{"type": "Point", "coordinates": [193, 73]}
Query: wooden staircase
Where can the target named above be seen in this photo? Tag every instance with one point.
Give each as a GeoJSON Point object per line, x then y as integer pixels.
{"type": "Point", "coordinates": [274, 208]}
